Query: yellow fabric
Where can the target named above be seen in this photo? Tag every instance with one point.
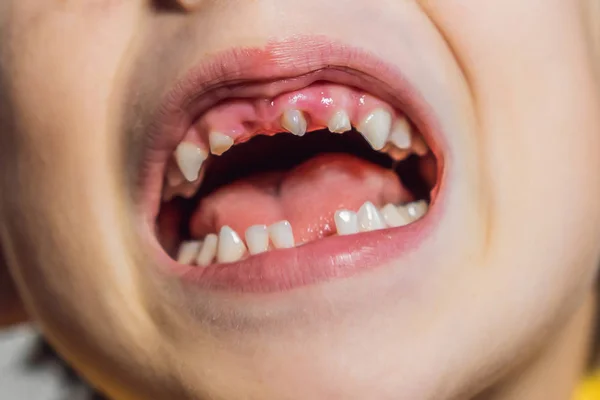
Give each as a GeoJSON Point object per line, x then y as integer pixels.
{"type": "Point", "coordinates": [589, 389]}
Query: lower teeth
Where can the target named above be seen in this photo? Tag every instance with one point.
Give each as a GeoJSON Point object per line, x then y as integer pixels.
{"type": "Point", "coordinates": [228, 246]}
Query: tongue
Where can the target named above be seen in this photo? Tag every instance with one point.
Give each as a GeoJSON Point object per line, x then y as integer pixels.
{"type": "Point", "coordinates": [307, 196]}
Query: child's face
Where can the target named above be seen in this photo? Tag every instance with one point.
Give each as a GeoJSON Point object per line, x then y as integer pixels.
{"type": "Point", "coordinates": [96, 96]}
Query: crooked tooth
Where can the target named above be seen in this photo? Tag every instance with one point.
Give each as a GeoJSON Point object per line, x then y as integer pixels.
{"type": "Point", "coordinates": [257, 239]}
{"type": "Point", "coordinates": [219, 142]}
{"type": "Point", "coordinates": [188, 251]}
{"type": "Point", "coordinates": [376, 128]}
{"type": "Point", "coordinates": [281, 235]}
{"type": "Point", "coordinates": [416, 209]}
{"type": "Point", "coordinates": [339, 122]}
{"type": "Point", "coordinates": [400, 136]}
{"type": "Point", "coordinates": [369, 218]}
{"type": "Point", "coordinates": [208, 251]}
{"type": "Point", "coordinates": [231, 247]}
{"type": "Point", "coordinates": [189, 158]}
{"type": "Point", "coordinates": [346, 222]}
{"type": "Point", "coordinates": [394, 216]}
{"type": "Point", "coordinates": [294, 121]}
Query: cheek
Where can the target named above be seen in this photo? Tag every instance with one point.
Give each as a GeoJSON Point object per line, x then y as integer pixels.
{"type": "Point", "coordinates": [64, 60]}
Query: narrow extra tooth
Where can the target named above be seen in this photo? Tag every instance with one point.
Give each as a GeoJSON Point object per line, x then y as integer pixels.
{"type": "Point", "coordinates": [346, 222]}
{"type": "Point", "coordinates": [257, 239]}
{"type": "Point", "coordinates": [416, 209]}
{"type": "Point", "coordinates": [339, 122]}
{"type": "Point", "coordinates": [294, 121]}
{"type": "Point", "coordinates": [369, 218]}
{"type": "Point", "coordinates": [188, 251]}
{"type": "Point", "coordinates": [393, 217]}
{"type": "Point", "coordinates": [376, 128]}
{"type": "Point", "coordinates": [231, 247]}
{"type": "Point", "coordinates": [189, 158]}
{"type": "Point", "coordinates": [281, 235]}
{"type": "Point", "coordinates": [400, 136]}
{"type": "Point", "coordinates": [208, 251]}
{"type": "Point", "coordinates": [219, 142]}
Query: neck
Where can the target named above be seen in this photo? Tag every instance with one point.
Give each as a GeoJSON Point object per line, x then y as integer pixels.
{"type": "Point", "coordinates": [557, 370]}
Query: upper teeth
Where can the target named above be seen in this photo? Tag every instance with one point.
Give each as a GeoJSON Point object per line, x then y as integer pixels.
{"type": "Point", "coordinates": [229, 247]}
{"type": "Point", "coordinates": [294, 121]}
{"type": "Point", "coordinates": [219, 143]}
{"type": "Point", "coordinates": [339, 122]}
{"type": "Point", "coordinates": [190, 158]}
{"type": "Point", "coordinates": [376, 128]}
{"type": "Point", "coordinates": [380, 129]}
{"type": "Point", "coordinates": [400, 135]}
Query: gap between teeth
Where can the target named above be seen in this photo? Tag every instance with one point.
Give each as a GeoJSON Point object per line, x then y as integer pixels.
{"type": "Point", "coordinates": [228, 246]}
{"type": "Point", "coordinates": [380, 129]}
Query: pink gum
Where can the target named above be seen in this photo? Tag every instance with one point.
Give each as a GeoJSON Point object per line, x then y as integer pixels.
{"type": "Point", "coordinates": [242, 119]}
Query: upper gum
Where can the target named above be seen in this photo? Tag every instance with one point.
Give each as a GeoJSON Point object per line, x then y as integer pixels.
{"type": "Point", "coordinates": [242, 119]}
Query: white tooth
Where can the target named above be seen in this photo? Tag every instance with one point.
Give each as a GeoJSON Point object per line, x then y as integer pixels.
{"type": "Point", "coordinates": [369, 218]}
{"type": "Point", "coordinates": [189, 159]}
{"type": "Point", "coordinates": [208, 251]}
{"type": "Point", "coordinates": [231, 246]}
{"type": "Point", "coordinates": [219, 142]}
{"type": "Point", "coordinates": [419, 146]}
{"type": "Point", "coordinates": [294, 121]}
{"type": "Point", "coordinates": [416, 209]}
{"type": "Point", "coordinates": [339, 122]}
{"type": "Point", "coordinates": [400, 135]}
{"type": "Point", "coordinates": [376, 128]}
{"type": "Point", "coordinates": [257, 239]}
{"type": "Point", "coordinates": [346, 222]}
{"type": "Point", "coordinates": [281, 235]}
{"type": "Point", "coordinates": [393, 217]}
{"type": "Point", "coordinates": [188, 251]}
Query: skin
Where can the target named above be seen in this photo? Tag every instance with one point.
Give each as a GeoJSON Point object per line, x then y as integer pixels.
{"type": "Point", "coordinates": [508, 311]}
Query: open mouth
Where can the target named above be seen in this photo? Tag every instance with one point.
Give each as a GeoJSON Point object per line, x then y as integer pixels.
{"type": "Point", "coordinates": [257, 179]}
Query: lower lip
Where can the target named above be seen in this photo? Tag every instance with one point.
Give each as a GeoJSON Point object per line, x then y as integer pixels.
{"type": "Point", "coordinates": [319, 261]}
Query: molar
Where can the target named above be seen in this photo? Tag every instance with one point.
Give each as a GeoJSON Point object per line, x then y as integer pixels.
{"type": "Point", "coordinates": [189, 158]}
{"type": "Point", "coordinates": [174, 175]}
{"type": "Point", "coordinates": [376, 128]}
{"type": "Point", "coordinates": [294, 122]}
{"type": "Point", "coordinates": [419, 146]}
{"type": "Point", "coordinates": [395, 216]}
{"type": "Point", "coordinates": [339, 122]}
{"type": "Point", "coordinates": [219, 142]}
{"type": "Point", "coordinates": [416, 209]}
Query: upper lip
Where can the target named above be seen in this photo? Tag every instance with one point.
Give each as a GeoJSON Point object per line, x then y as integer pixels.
{"type": "Point", "coordinates": [265, 72]}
